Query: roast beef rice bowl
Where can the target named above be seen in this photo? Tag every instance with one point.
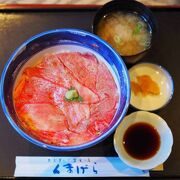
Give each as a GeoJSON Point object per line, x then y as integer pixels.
{"type": "Point", "coordinates": [66, 95]}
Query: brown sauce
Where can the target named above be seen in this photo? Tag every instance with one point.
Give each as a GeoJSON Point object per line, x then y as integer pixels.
{"type": "Point", "coordinates": [141, 141]}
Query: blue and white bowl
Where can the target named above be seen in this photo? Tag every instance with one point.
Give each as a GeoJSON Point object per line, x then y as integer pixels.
{"type": "Point", "coordinates": [51, 38]}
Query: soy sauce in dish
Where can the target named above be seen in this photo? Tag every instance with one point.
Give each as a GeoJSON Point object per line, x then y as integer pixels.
{"type": "Point", "coordinates": [141, 141]}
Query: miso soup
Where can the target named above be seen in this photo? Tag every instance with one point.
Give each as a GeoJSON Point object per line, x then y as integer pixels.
{"type": "Point", "coordinates": [128, 33]}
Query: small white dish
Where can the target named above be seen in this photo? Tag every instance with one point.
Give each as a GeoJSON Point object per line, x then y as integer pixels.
{"type": "Point", "coordinates": [166, 140]}
{"type": "Point", "coordinates": [163, 80]}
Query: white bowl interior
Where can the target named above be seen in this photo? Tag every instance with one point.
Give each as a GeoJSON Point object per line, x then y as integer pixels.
{"type": "Point", "coordinates": [160, 125]}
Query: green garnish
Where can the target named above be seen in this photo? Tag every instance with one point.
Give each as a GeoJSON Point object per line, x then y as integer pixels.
{"type": "Point", "coordinates": [70, 94]}
{"type": "Point", "coordinates": [117, 39]}
{"type": "Point", "coordinates": [79, 99]}
{"type": "Point", "coordinates": [145, 43]}
{"type": "Point", "coordinates": [73, 95]}
{"type": "Point", "coordinates": [138, 28]}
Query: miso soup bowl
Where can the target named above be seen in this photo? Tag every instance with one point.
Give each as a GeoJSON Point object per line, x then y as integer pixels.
{"type": "Point", "coordinates": [51, 38]}
{"type": "Point", "coordinates": [129, 6]}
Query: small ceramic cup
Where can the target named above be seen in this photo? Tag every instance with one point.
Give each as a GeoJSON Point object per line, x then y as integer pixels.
{"type": "Point", "coordinates": [166, 140]}
{"type": "Point", "coordinates": [161, 77]}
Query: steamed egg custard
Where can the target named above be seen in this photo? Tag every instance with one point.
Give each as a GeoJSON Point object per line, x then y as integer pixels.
{"type": "Point", "coordinates": [151, 86]}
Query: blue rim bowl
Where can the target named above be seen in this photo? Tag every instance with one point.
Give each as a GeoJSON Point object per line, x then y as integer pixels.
{"type": "Point", "coordinates": [56, 37]}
